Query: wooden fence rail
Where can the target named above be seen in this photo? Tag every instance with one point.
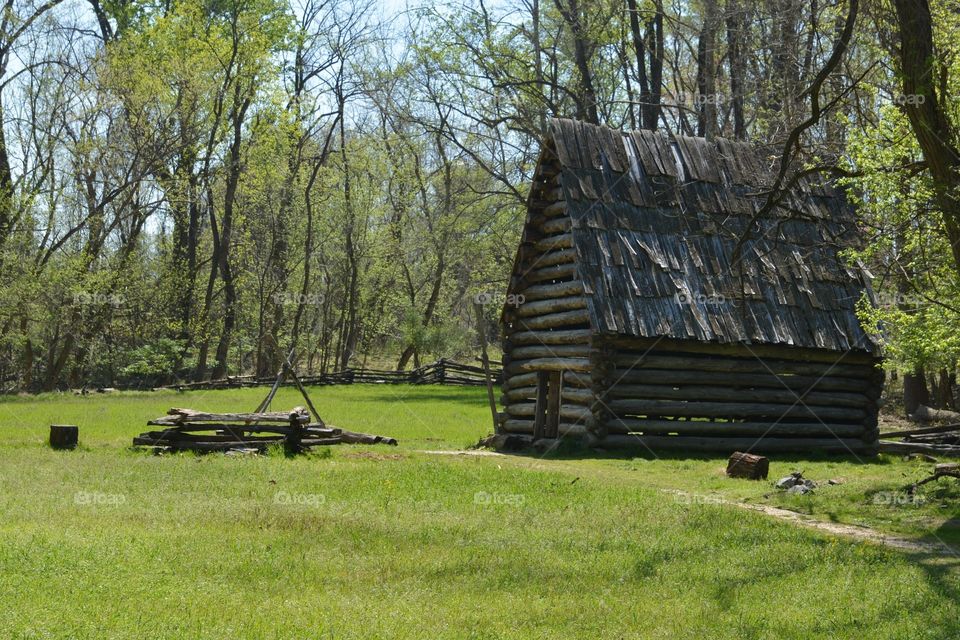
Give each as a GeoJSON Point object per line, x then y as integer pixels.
{"type": "Point", "coordinates": [442, 371]}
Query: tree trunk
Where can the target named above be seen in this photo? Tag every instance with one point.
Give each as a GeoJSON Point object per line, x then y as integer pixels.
{"type": "Point", "coordinates": [707, 73]}
{"type": "Point", "coordinates": [736, 26]}
{"type": "Point", "coordinates": [915, 390]}
{"type": "Point", "coordinates": [928, 114]}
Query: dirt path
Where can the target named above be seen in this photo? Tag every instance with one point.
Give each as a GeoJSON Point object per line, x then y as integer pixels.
{"type": "Point", "coordinates": [865, 534]}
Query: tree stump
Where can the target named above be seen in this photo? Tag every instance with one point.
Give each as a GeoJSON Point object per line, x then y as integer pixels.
{"type": "Point", "coordinates": [747, 465]}
{"type": "Point", "coordinates": [64, 436]}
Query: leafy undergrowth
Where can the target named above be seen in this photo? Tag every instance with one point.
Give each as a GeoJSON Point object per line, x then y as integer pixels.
{"type": "Point", "coordinates": [104, 542]}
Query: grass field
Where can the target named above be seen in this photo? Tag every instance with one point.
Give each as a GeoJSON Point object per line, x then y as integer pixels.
{"type": "Point", "coordinates": [374, 542]}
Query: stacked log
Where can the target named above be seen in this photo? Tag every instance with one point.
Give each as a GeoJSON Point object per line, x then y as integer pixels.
{"type": "Point", "coordinates": [190, 430]}
{"type": "Point", "coordinates": [548, 330]}
{"type": "Point", "coordinates": [716, 396]}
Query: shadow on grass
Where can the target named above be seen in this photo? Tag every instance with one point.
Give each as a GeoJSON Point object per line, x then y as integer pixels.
{"type": "Point", "coordinates": [574, 451]}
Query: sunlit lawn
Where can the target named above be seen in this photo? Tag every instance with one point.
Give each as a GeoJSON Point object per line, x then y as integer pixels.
{"type": "Point", "coordinates": [368, 542]}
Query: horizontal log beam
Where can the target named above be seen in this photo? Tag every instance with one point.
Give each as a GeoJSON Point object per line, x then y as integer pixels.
{"type": "Point", "coordinates": [660, 360]}
{"type": "Point", "coordinates": [553, 305]}
{"type": "Point", "coordinates": [551, 351]}
{"type": "Point", "coordinates": [574, 395]}
{"type": "Point", "coordinates": [568, 411]}
{"type": "Point", "coordinates": [529, 379]}
{"type": "Point", "coordinates": [728, 394]}
{"type": "Point", "coordinates": [784, 352]}
{"type": "Point", "coordinates": [554, 320]}
{"type": "Point", "coordinates": [549, 291]}
{"type": "Point", "coordinates": [549, 364]}
{"type": "Point", "coordinates": [731, 409]}
{"type": "Point", "coordinates": [557, 272]}
{"type": "Point", "coordinates": [551, 243]}
{"type": "Point", "coordinates": [556, 208]}
{"type": "Point", "coordinates": [756, 429]}
{"type": "Point", "coordinates": [795, 382]}
{"type": "Point", "coordinates": [526, 426]}
{"type": "Point", "coordinates": [568, 336]}
{"type": "Point", "coordinates": [555, 225]}
{"type": "Point", "coordinates": [552, 258]}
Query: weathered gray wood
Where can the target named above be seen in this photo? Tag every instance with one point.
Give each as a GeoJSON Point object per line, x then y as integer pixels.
{"type": "Point", "coordinates": [566, 429]}
{"type": "Point", "coordinates": [551, 351]}
{"type": "Point", "coordinates": [553, 404]}
{"type": "Point", "coordinates": [563, 256]}
{"type": "Point", "coordinates": [555, 225]}
{"type": "Point", "coordinates": [645, 375]}
{"type": "Point", "coordinates": [699, 392]}
{"type": "Point", "coordinates": [570, 394]}
{"type": "Point", "coordinates": [947, 428]}
{"type": "Point", "coordinates": [899, 448]}
{"type": "Point", "coordinates": [928, 414]}
{"type": "Point", "coordinates": [653, 426]}
{"type": "Point", "coordinates": [567, 336]}
{"type": "Point", "coordinates": [563, 319]}
{"type": "Point", "coordinates": [549, 364]}
{"type": "Point", "coordinates": [189, 415]}
{"type": "Point", "coordinates": [550, 291]}
{"type": "Point", "coordinates": [553, 305]}
{"type": "Point", "coordinates": [539, 406]}
{"type": "Point", "coordinates": [556, 272]}
{"type": "Point", "coordinates": [554, 209]}
{"type": "Point", "coordinates": [732, 365]}
{"type": "Point", "coordinates": [572, 412]}
{"type": "Point", "coordinates": [732, 409]}
{"type": "Point", "coordinates": [550, 243]}
{"type": "Point", "coordinates": [773, 352]}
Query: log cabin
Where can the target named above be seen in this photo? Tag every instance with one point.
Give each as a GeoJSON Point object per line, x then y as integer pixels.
{"type": "Point", "coordinates": [653, 303]}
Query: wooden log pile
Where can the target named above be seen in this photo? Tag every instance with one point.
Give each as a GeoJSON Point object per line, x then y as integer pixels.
{"type": "Point", "coordinates": [191, 430]}
{"type": "Point", "coordinates": [943, 440]}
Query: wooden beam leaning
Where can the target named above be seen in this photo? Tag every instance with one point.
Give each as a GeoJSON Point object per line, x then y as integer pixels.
{"type": "Point", "coordinates": [553, 404]}
{"type": "Point", "coordinates": [540, 407]}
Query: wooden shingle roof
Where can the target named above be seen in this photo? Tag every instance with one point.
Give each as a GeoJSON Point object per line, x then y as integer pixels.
{"type": "Point", "coordinates": [656, 219]}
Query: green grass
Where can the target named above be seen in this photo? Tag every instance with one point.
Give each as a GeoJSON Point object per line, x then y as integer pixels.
{"type": "Point", "coordinates": [374, 542]}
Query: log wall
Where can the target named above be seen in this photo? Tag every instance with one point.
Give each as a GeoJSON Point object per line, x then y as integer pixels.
{"type": "Point", "coordinates": [665, 394]}
{"type": "Point", "coordinates": [548, 329]}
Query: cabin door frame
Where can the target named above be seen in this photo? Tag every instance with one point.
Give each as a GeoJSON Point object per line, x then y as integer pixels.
{"type": "Point", "coordinates": [546, 417]}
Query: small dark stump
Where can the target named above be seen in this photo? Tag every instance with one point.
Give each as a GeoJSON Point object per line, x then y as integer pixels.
{"type": "Point", "coordinates": [747, 465]}
{"type": "Point", "coordinates": [64, 436]}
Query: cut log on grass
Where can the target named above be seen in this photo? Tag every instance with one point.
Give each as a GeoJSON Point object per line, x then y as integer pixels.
{"type": "Point", "coordinates": [748, 465]}
{"type": "Point", "coordinates": [64, 436]}
{"type": "Point", "coordinates": [927, 414]}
